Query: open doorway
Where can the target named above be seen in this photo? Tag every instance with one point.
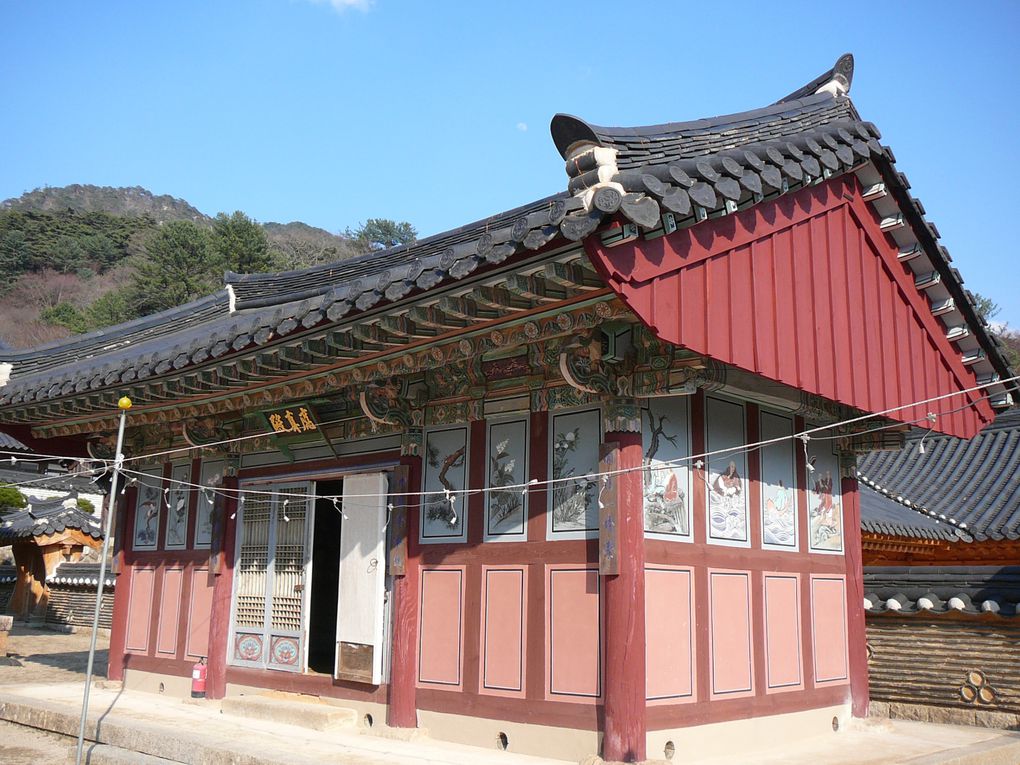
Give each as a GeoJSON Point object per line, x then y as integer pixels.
{"type": "Point", "coordinates": [325, 576]}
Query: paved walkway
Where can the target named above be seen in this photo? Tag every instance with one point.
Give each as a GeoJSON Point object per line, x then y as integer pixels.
{"type": "Point", "coordinates": [39, 697]}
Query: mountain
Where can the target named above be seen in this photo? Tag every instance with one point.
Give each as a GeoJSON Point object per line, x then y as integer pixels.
{"type": "Point", "coordinates": [67, 253]}
{"type": "Point", "coordinates": [125, 202]}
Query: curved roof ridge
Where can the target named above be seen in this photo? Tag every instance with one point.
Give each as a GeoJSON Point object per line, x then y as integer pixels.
{"type": "Point", "coordinates": [246, 286]}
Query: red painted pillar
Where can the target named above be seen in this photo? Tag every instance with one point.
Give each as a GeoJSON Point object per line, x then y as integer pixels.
{"type": "Point", "coordinates": [625, 703]}
{"type": "Point", "coordinates": [855, 598]}
{"type": "Point", "coordinates": [123, 529]}
{"type": "Point", "coordinates": [403, 709]}
{"type": "Point", "coordinates": [221, 568]}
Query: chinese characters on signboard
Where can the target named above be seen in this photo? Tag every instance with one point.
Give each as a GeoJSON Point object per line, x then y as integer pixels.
{"type": "Point", "coordinates": [298, 419]}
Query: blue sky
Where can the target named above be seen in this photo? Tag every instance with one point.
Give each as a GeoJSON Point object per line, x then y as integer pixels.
{"type": "Point", "coordinates": [438, 113]}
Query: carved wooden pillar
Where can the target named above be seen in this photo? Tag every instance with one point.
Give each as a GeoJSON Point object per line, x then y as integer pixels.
{"type": "Point", "coordinates": [221, 570]}
{"type": "Point", "coordinates": [403, 710]}
{"type": "Point", "coordinates": [858, 646]}
{"type": "Point", "coordinates": [625, 705]}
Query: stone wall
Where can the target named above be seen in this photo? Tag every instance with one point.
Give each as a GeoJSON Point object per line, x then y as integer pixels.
{"type": "Point", "coordinates": [946, 670]}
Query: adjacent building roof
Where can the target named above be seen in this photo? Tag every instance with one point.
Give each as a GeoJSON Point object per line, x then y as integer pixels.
{"type": "Point", "coordinates": [971, 488]}
{"type": "Point", "coordinates": [70, 484]}
{"type": "Point", "coordinates": [10, 443]}
{"type": "Point", "coordinates": [45, 518]}
{"type": "Point", "coordinates": [940, 590]}
{"type": "Point", "coordinates": [689, 171]}
{"type": "Point", "coordinates": [79, 575]}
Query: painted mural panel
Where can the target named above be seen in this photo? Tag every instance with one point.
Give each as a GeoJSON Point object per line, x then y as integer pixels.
{"type": "Point", "coordinates": [443, 509]}
{"type": "Point", "coordinates": [440, 632]}
{"type": "Point", "coordinates": [825, 506]}
{"type": "Point", "coordinates": [148, 507]}
{"type": "Point", "coordinates": [507, 511]}
{"type": "Point", "coordinates": [778, 484]}
{"type": "Point", "coordinates": [177, 508]}
{"type": "Point", "coordinates": [727, 471]}
{"type": "Point", "coordinates": [576, 437]}
{"type": "Point", "coordinates": [211, 477]}
{"type": "Point", "coordinates": [669, 633]}
{"type": "Point", "coordinates": [666, 435]}
{"type": "Point", "coordinates": [574, 633]}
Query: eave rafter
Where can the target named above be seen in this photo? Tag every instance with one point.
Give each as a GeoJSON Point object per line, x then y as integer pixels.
{"type": "Point", "coordinates": [591, 307]}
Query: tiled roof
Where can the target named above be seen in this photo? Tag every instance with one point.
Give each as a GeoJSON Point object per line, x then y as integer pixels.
{"type": "Point", "coordinates": [72, 484]}
{"type": "Point", "coordinates": [11, 444]}
{"type": "Point", "coordinates": [689, 170]}
{"type": "Point", "coordinates": [80, 575]}
{"type": "Point", "coordinates": [884, 514]}
{"type": "Point", "coordinates": [8, 574]}
{"type": "Point", "coordinates": [45, 518]}
{"type": "Point", "coordinates": [972, 486]}
{"type": "Point", "coordinates": [940, 590]}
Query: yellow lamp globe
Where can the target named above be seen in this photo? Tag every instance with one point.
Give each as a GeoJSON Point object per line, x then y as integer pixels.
{"type": "Point", "coordinates": [124, 403]}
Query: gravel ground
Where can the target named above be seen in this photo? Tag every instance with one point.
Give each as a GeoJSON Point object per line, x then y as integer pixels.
{"type": "Point", "coordinates": [51, 657]}
{"type": "Point", "coordinates": [27, 746]}
{"type": "Point", "coordinates": [46, 657]}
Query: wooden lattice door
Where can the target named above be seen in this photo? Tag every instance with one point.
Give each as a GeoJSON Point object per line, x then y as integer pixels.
{"type": "Point", "coordinates": [269, 622]}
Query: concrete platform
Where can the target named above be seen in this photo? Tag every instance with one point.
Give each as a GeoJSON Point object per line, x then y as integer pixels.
{"type": "Point", "coordinates": [322, 717]}
{"type": "Point", "coordinates": [135, 728]}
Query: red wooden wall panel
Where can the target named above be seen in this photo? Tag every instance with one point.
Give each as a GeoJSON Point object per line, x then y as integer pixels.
{"type": "Point", "coordinates": [805, 290]}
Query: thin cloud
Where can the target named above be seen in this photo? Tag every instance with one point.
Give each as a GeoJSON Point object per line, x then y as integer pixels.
{"type": "Point", "coordinates": [522, 126]}
{"type": "Point", "coordinates": [344, 5]}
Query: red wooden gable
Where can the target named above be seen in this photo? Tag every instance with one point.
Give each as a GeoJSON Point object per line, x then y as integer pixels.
{"type": "Point", "coordinates": [805, 290]}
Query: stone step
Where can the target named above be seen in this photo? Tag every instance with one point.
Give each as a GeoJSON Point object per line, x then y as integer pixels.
{"type": "Point", "coordinates": [311, 715]}
{"type": "Point", "coordinates": [105, 754]}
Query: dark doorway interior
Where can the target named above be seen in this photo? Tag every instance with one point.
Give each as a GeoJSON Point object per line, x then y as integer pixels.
{"type": "Point", "coordinates": [325, 579]}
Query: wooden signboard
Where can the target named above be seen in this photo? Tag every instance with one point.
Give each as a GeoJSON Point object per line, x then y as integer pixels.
{"type": "Point", "coordinates": [609, 509]}
{"type": "Point", "coordinates": [397, 527]}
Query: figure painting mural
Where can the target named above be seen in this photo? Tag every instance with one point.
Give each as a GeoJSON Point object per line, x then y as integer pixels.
{"type": "Point", "coordinates": [727, 468]}
{"type": "Point", "coordinates": [212, 476]}
{"type": "Point", "coordinates": [177, 509]}
{"type": "Point", "coordinates": [147, 510]}
{"type": "Point", "coordinates": [825, 511]}
{"type": "Point", "coordinates": [778, 484]}
{"type": "Point", "coordinates": [506, 511]}
{"type": "Point", "coordinates": [443, 509]}
{"type": "Point", "coordinates": [575, 457]}
{"type": "Point", "coordinates": [667, 491]}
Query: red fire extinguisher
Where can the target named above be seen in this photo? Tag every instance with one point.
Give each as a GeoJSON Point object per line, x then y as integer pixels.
{"type": "Point", "coordinates": [198, 675]}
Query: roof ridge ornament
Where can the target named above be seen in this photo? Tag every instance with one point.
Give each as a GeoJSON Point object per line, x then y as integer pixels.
{"type": "Point", "coordinates": [835, 82]}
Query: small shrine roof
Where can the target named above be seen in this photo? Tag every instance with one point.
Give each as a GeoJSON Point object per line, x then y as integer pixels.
{"type": "Point", "coordinates": [45, 518]}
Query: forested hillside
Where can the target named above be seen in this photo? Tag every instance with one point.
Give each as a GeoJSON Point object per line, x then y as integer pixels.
{"type": "Point", "coordinates": [80, 257]}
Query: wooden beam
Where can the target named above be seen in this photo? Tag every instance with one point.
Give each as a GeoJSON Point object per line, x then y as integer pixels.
{"type": "Point", "coordinates": [373, 333]}
{"type": "Point", "coordinates": [573, 276]}
{"type": "Point", "coordinates": [401, 326]}
{"type": "Point", "coordinates": [536, 288]}
{"type": "Point", "coordinates": [465, 308]}
{"type": "Point", "coordinates": [432, 316]}
{"type": "Point", "coordinates": [500, 299]}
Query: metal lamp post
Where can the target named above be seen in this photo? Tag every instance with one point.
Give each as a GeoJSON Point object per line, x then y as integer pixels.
{"type": "Point", "coordinates": [118, 458]}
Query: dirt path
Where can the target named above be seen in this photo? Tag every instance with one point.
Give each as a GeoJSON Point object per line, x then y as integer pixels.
{"type": "Point", "coordinates": [27, 746]}
{"type": "Point", "coordinates": [50, 657]}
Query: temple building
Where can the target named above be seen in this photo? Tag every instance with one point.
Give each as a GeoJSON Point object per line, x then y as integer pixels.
{"type": "Point", "coordinates": [497, 483]}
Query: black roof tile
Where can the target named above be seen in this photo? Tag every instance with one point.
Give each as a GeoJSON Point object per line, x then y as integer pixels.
{"type": "Point", "coordinates": [974, 483]}
{"type": "Point", "coordinates": [45, 517]}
